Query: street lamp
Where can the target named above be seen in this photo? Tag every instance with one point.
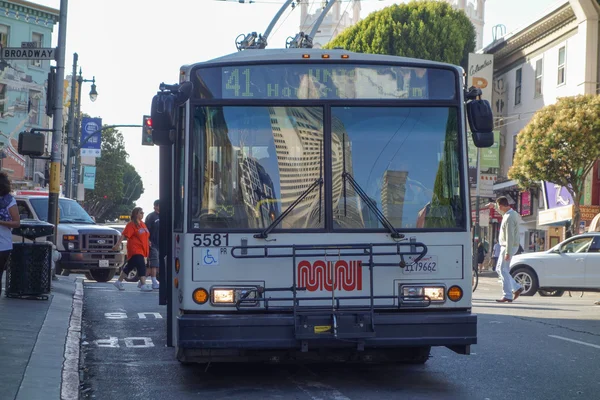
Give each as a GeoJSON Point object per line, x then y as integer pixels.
{"type": "Point", "coordinates": [74, 118]}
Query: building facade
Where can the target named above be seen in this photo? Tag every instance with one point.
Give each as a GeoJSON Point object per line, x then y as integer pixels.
{"type": "Point", "coordinates": [334, 23]}
{"type": "Point", "coordinates": [475, 10]}
{"type": "Point", "coordinates": [23, 85]}
{"type": "Point", "coordinates": [556, 55]}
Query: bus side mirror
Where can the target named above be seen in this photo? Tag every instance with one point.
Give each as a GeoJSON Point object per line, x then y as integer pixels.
{"type": "Point", "coordinates": [164, 111]}
{"type": "Point", "coordinates": [481, 122]}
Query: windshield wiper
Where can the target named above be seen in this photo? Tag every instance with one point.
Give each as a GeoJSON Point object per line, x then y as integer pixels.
{"type": "Point", "coordinates": [265, 233]}
{"type": "Point", "coordinates": [319, 182]}
{"type": "Point", "coordinates": [361, 193]}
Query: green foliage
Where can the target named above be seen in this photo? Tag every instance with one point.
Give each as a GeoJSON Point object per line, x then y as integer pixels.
{"type": "Point", "coordinates": [430, 30]}
{"type": "Point", "coordinates": [118, 185]}
{"type": "Point", "coordinates": [560, 144]}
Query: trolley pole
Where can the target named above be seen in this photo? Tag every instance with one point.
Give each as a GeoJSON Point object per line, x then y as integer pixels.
{"type": "Point", "coordinates": [57, 120]}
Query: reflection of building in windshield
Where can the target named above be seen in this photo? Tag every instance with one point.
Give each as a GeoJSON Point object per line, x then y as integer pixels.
{"type": "Point", "coordinates": [218, 175]}
{"type": "Point", "coordinates": [258, 191]}
{"type": "Point", "coordinates": [393, 195]}
{"type": "Point", "coordinates": [298, 137]}
{"type": "Point", "coordinates": [346, 203]}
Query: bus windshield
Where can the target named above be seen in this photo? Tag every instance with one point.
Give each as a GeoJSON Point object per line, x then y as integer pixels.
{"type": "Point", "coordinates": [250, 163]}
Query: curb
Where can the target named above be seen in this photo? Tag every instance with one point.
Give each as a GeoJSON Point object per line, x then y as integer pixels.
{"type": "Point", "coordinates": [70, 373]}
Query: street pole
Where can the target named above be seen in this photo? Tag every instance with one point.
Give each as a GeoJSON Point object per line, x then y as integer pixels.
{"type": "Point", "coordinates": [76, 137]}
{"type": "Point", "coordinates": [71, 132]}
{"type": "Point", "coordinates": [57, 120]}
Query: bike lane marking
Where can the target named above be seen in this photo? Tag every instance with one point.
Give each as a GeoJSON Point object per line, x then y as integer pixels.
{"type": "Point", "coordinates": [575, 341]}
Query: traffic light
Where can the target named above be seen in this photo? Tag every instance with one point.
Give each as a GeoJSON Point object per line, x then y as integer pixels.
{"type": "Point", "coordinates": [147, 131]}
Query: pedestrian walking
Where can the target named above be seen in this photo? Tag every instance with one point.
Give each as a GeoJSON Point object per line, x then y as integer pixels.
{"type": "Point", "coordinates": [137, 236]}
{"type": "Point", "coordinates": [509, 245]}
{"type": "Point", "coordinates": [9, 219]}
{"type": "Point", "coordinates": [480, 256]}
{"type": "Point", "coordinates": [495, 255]}
{"type": "Point", "coordinates": [152, 222]}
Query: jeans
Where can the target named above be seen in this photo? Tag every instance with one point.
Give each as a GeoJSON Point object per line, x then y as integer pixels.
{"type": "Point", "coordinates": [509, 285]}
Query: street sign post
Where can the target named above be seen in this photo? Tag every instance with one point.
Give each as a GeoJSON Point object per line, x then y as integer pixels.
{"type": "Point", "coordinates": [18, 53]}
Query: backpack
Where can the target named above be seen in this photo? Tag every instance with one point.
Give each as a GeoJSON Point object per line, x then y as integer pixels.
{"type": "Point", "coordinates": [4, 203]}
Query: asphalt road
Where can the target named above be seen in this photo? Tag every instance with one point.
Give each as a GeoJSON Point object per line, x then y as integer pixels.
{"type": "Point", "coordinates": [535, 348]}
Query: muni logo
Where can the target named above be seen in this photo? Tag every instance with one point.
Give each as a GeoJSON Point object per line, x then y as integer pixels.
{"type": "Point", "coordinates": [318, 275]}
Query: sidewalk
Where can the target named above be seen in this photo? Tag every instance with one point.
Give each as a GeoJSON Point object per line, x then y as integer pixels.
{"type": "Point", "coordinates": [35, 342]}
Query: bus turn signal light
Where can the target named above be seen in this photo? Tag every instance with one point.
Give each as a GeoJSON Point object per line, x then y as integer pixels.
{"type": "Point", "coordinates": [455, 293]}
{"type": "Point", "coordinates": [177, 265]}
{"type": "Point", "coordinates": [200, 296]}
{"type": "Point", "coordinates": [176, 283]}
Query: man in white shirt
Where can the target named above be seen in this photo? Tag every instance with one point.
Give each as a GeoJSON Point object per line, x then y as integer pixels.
{"type": "Point", "coordinates": [509, 245]}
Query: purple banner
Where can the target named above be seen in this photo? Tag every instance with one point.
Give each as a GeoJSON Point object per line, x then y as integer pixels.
{"type": "Point", "coordinates": [556, 195]}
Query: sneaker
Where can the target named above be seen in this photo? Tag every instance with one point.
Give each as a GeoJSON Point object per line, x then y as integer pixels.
{"type": "Point", "coordinates": [155, 286]}
{"type": "Point", "coordinates": [145, 288]}
{"type": "Point", "coordinates": [139, 284]}
{"type": "Point", "coordinates": [119, 285]}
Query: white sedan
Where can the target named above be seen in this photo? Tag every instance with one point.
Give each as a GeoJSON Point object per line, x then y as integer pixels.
{"type": "Point", "coordinates": [571, 265]}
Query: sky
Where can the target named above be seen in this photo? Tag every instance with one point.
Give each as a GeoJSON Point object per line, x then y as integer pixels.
{"type": "Point", "coordinates": [131, 46]}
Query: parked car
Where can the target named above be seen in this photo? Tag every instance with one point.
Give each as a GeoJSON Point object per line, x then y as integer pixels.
{"type": "Point", "coordinates": [85, 246]}
{"type": "Point", "coordinates": [573, 265]}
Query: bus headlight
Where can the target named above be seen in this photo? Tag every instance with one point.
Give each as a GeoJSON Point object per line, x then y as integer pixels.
{"type": "Point", "coordinates": [226, 296]}
{"type": "Point", "coordinates": [420, 293]}
{"type": "Point", "coordinates": [223, 296]}
{"type": "Point", "coordinates": [435, 293]}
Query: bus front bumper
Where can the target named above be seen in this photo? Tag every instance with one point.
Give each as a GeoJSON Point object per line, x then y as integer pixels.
{"type": "Point", "coordinates": [238, 334]}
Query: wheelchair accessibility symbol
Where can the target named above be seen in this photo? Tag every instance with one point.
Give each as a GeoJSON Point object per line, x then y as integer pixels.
{"type": "Point", "coordinates": [210, 257]}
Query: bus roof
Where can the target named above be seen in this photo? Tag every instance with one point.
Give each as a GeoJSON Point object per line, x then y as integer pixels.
{"type": "Point", "coordinates": [275, 55]}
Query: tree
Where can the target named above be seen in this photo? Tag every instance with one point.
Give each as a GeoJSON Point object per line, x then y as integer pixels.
{"type": "Point", "coordinates": [113, 190]}
{"type": "Point", "coordinates": [430, 30]}
{"type": "Point", "coordinates": [133, 188]}
{"type": "Point", "coordinates": [560, 144]}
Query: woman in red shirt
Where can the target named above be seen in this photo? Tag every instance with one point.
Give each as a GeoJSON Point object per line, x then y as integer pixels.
{"type": "Point", "coordinates": [138, 245]}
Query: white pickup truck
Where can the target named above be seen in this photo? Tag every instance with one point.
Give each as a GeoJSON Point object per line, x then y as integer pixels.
{"type": "Point", "coordinates": [85, 246]}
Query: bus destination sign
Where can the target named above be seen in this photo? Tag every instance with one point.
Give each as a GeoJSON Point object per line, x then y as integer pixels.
{"type": "Point", "coordinates": [327, 81]}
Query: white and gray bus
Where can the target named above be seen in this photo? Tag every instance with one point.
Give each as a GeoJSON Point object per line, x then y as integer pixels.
{"type": "Point", "coordinates": [315, 206]}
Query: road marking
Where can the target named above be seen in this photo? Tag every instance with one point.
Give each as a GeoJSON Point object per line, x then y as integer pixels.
{"type": "Point", "coordinates": [113, 342]}
{"type": "Point", "coordinates": [576, 341]}
{"type": "Point", "coordinates": [142, 315]}
{"type": "Point", "coordinates": [147, 342]}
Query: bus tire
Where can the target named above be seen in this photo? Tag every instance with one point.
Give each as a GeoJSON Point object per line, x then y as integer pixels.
{"type": "Point", "coordinates": [416, 355]}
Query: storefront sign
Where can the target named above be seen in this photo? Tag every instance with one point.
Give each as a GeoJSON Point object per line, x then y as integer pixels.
{"type": "Point", "coordinates": [588, 212]}
{"type": "Point", "coordinates": [481, 73]}
{"type": "Point", "coordinates": [486, 185]}
{"type": "Point", "coordinates": [525, 204]}
{"type": "Point", "coordinates": [556, 195]}
{"type": "Point", "coordinates": [490, 156]}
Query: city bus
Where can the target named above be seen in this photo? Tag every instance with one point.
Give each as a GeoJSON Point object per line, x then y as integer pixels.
{"type": "Point", "coordinates": [315, 207]}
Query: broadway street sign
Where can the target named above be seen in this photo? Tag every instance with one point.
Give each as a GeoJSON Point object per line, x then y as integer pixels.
{"type": "Point", "coordinates": [18, 53]}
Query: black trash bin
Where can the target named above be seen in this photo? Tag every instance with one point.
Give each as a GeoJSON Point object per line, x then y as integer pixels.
{"type": "Point", "coordinates": [28, 272]}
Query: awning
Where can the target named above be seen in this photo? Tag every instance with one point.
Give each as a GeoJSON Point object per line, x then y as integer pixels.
{"type": "Point", "coordinates": [558, 216]}
{"type": "Point", "coordinates": [505, 185]}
